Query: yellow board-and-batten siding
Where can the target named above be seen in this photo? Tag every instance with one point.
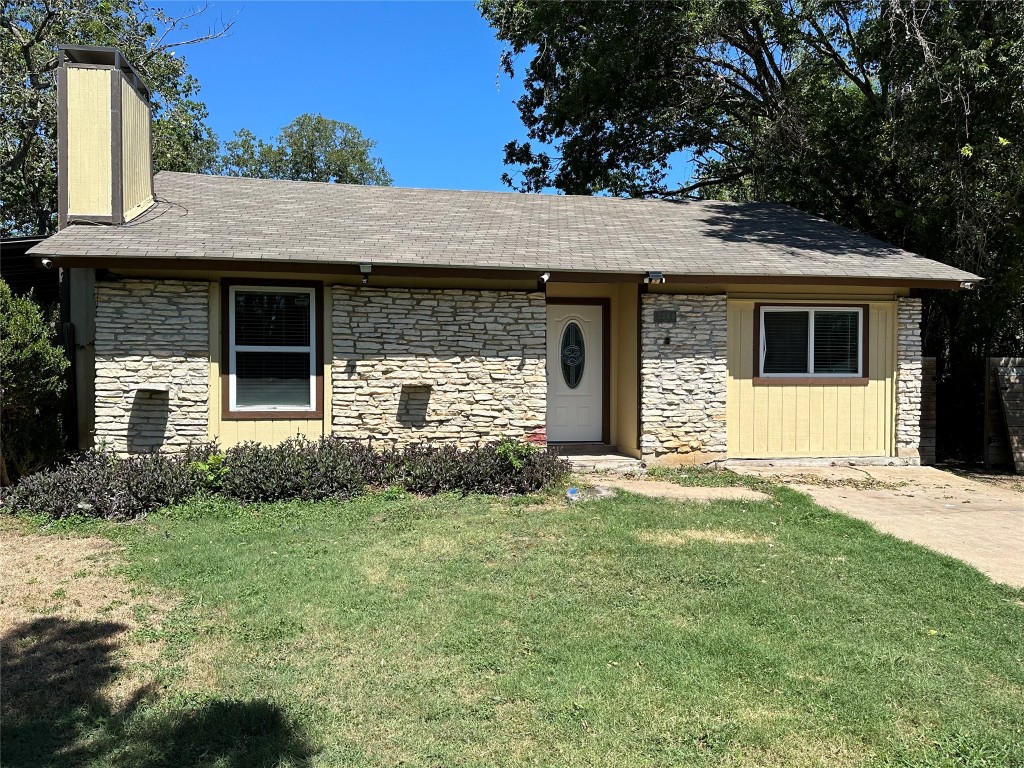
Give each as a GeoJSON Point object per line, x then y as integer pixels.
{"type": "Point", "coordinates": [88, 174]}
{"type": "Point", "coordinates": [229, 432]}
{"type": "Point", "coordinates": [802, 420]}
{"type": "Point", "coordinates": [136, 163]}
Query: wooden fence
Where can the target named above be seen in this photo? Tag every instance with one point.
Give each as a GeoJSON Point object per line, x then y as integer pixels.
{"type": "Point", "coordinates": [1004, 412]}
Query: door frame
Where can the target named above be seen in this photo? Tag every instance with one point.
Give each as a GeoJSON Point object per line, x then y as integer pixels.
{"type": "Point", "coordinates": [606, 357]}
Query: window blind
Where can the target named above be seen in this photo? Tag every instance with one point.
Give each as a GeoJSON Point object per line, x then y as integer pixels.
{"type": "Point", "coordinates": [836, 342]}
{"type": "Point", "coordinates": [271, 319]}
{"type": "Point", "coordinates": [785, 342]}
{"type": "Point", "coordinates": [272, 349]}
{"type": "Point", "coordinates": [272, 379]}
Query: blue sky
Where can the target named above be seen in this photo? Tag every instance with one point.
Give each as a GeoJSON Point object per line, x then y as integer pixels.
{"type": "Point", "coordinates": [420, 78]}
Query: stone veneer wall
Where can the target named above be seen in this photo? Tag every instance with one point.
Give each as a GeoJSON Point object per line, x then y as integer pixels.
{"type": "Point", "coordinates": [448, 366]}
{"type": "Point", "coordinates": [908, 379]}
{"type": "Point", "coordinates": [683, 379]}
{"type": "Point", "coordinates": [151, 334]}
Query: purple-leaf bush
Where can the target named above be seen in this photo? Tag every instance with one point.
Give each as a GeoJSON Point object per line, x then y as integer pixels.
{"type": "Point", "coordinates": [104, 485]}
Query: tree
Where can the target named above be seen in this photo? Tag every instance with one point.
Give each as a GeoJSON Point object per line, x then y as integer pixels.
{"type": "Point", "coordinates": [310, 148]}
{"type": "Point", "coordinates": [31, 385]}
{"type": "Point", "coordinates": [32, 30]}
{"type": "Point", "coordinates": [898, 118]}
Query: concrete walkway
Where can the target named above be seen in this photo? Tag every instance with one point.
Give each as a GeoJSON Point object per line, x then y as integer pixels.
{"type": "Point", "coordinates": [979, 521]}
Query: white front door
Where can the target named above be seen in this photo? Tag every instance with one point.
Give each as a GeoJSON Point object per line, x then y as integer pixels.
{"type": "Point", "coordinates": [575, 373]}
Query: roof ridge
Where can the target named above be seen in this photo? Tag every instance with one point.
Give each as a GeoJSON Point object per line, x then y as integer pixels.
{"type": "Point", "coordinates": [497, 192]}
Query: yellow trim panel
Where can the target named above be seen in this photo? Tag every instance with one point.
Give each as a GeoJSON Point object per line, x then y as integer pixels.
{"type": "Point", "coordinates": [229, 432]}
{"type": "Point", "coordinates": [804, 420]}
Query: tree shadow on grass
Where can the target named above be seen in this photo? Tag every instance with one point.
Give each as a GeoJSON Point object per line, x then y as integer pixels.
{"type": "Point", "coordinates": [55, 711]}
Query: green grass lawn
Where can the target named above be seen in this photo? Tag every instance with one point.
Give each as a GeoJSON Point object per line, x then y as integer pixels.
{"type": "Point", "coordinates": [630, 631]}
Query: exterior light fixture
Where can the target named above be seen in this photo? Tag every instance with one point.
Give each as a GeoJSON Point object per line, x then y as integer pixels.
{"type": "Point", "coordinates": [365, 270]}
{"type": "Point", "coordinates": [654, 278]}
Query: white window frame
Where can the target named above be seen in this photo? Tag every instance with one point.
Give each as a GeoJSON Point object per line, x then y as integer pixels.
{"type": "Point", "coordinates": [233, 348]}
{"type": "Point", "coordinates": [811, 310]}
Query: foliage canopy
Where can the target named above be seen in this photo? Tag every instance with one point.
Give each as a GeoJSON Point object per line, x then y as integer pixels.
{"type": "Point", "coordinates": [33, 367]}
{"type": "Point", "coordinates": [310, 148]}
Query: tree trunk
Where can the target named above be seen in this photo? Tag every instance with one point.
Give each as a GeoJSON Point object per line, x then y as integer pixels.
{"type": "Point", "coordinates": [5, 480]}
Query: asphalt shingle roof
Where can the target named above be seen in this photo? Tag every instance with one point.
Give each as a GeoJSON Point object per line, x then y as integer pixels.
{"type": "Point", "coordinates": [213, 217]}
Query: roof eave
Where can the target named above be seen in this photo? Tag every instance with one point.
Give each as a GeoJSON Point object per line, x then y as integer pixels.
{"type": "Point", "coordinates": [496, 273]}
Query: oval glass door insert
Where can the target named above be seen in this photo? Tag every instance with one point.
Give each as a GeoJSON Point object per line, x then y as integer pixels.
{"type": "Point", "coordinates": [573, 355]}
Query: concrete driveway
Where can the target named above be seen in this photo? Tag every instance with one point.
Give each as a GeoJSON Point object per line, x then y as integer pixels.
{"type": "Point", "coordinates": [978, 519]}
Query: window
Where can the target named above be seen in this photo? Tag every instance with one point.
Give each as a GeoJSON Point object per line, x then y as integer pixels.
{"type": "Point", "coordinates": [573, 355]}
{"type": "Point", "coordinates": [272, 340]}
{"type": "Point", "coordinates": [812, 341]}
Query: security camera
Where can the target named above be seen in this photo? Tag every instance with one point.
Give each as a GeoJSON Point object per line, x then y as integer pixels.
{"type": "Point", "coordinates": [47, 263]}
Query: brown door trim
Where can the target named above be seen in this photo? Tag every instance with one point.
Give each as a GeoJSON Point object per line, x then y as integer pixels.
{"type": "Point", "coordinates": [606, 354]}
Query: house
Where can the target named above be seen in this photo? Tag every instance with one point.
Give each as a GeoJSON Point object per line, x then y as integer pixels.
{"type": "Point", "coordinates": [233, 309]}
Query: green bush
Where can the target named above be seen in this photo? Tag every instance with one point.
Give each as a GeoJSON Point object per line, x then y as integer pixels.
{"type": "Point", "coordinates": [32, 382]}
{"type": "Point", "coordinates": [103, 485]}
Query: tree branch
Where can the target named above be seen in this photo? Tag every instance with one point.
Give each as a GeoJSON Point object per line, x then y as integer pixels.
{"type": "Point", "coordinates": [735, 176]}
{"type": "Point", "coordinates": [824, 46]}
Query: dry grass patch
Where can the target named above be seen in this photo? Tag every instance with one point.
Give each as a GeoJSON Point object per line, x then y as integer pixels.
{"type": "Point", "coordinates": [671, 490]}
{"type": "Point", "coordinates": [683, 536]}
{"type": "Point", "coordinates": [382, 565]}
{"type": "Point", "coordinates": [71, 628]}
{"type": "Point", "coordinates": [866, 483]}
{"type": "Point", "coordinates": [73, 579]}
{"type": "Point", "coordinates": [800, 751]}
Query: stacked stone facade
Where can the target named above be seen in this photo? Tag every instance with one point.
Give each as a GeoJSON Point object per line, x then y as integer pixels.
{"type": "Point", "coordinates": [152, 364]}
{"type": "Point", "coordinates": [445, 366]}
{"type": "Point", "coordinates": [683, 378]}
{"type": "Point", "coordinates": [908, 379]}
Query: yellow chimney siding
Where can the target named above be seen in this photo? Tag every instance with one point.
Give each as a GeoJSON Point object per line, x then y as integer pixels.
{"type": "Point", "coordinates": [811, 420]}
{"type": "Point", "coordinates": [88, 136]}
{"type": "Point", "coordinates": [136, 163]}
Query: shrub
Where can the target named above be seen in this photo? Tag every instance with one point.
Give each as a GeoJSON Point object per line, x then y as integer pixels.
{"type": "Point", "coordinates": [503, 468]}
{"type": "Point", "coordinates": [329, 468]}
{"type": "Point", "coordinates": [31, 387]}
{"type": "Point", "coordinates": [428, 470]}
{"type": "Point", "coordinates": [103, 485]}
{"type": "Point", "coordinates": [212, 469]}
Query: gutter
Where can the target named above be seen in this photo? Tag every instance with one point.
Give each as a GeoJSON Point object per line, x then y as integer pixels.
{"type": "Point", "coordinates": [515, 273]}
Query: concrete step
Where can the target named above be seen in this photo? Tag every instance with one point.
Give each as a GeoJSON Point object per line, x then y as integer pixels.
{"type": "Point", "coordinates": [595, 457]}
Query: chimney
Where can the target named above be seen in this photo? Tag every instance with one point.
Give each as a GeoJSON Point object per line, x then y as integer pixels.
{"type": "Point", "coordinates": [104, 138]}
